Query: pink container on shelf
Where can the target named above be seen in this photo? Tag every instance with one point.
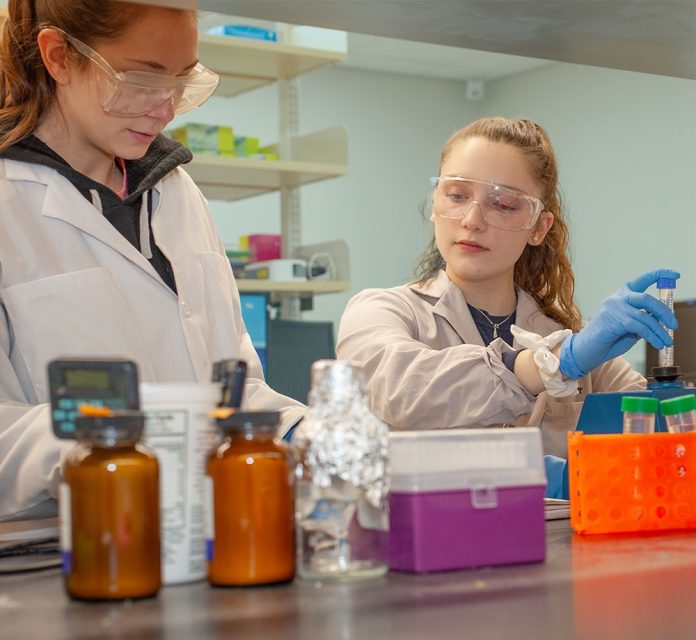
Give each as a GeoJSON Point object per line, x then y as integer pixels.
{"type": "Point", "coordinates": [264, 247]}
{"type": "Point", "coordinates": [464, 498]}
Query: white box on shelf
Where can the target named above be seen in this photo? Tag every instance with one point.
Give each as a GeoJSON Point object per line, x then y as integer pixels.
{"type": "Point", "coordinates": [281, 270]}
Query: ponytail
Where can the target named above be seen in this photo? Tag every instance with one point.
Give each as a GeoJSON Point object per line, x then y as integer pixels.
{"type": "Point", "coordinates": [26, 88]}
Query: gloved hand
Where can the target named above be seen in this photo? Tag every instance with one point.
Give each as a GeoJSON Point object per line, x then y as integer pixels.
{"type": "Point", "coordinates": [622, 320]}
{"type": "Point", "coordinates": [556, 477]}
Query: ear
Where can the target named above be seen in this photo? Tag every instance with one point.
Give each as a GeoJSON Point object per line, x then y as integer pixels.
{"type": "Point", "coordinates": [54, 53]}
{"type": "Point", "coordinates": [541, 228]}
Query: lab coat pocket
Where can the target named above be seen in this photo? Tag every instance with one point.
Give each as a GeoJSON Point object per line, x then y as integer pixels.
{"type": "Point", "coordinates": [224, 314]}
{"type": "Point", "coordinates": [82, 313]}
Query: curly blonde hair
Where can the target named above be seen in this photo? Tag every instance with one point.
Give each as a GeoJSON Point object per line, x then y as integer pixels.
{"type": "Point", "coordinates": [543, 271]}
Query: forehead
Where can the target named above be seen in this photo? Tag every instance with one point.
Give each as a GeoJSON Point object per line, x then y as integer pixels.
{"type": "Point", "coordinates": [168, 37]}
{"type": "Point", "coordinates": [499, 162]}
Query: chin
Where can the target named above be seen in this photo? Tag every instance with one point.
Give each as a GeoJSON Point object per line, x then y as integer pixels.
{"type": "Point", "coordinates": [132, 152]}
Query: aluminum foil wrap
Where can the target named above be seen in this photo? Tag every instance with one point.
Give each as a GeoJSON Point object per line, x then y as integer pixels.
{"type": "Point", "coordinates": [340, 436]}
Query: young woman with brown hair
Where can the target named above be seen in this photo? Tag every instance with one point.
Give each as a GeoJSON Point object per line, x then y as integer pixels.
{"type": "Point", "coordinates": [442, 352]}
{"type": "Point", "coordinates": [107, 247]}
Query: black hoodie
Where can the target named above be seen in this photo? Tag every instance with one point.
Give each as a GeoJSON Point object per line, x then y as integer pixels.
{"type": "Point", "coordinates": [131, 217]}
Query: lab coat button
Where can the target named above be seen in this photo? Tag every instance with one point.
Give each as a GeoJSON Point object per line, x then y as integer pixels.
{"type": "Point", "coordinates": [186, 310]}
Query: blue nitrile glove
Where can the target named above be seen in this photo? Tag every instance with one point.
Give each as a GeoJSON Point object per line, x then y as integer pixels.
{"type": "Point", "coordinates": [622, 320]}
{"type": "Point", "coordinates": [556, 477]}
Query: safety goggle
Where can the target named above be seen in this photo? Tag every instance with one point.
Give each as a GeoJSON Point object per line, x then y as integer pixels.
{"type": "Point", "coordinates": [502, 207]}
{"type": "Point", "coordinates": [137, 93]}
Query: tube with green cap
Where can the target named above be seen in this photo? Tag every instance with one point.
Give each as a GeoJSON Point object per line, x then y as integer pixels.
{"type": "Point", "coordinates": [639, 414]}
{"type": "Point", "coordinates": [679, 413]}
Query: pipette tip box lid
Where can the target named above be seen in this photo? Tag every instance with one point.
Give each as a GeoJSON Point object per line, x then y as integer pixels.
{"type": "Point", "coordinates": [463, 498]}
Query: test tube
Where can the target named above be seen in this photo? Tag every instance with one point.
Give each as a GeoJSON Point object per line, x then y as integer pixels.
{"type": "Point", "coordinates": [665, 287]}
{"type": "Point", "coordinates": [679, 413]}
{"type": "Point", "coordinates": [639, 414]}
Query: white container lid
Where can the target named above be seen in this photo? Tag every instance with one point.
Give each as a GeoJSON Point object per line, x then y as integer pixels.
{"type": "Point", "coordinates": [180, 393]}
{"type": "Point", "coordinates": [452, 459]}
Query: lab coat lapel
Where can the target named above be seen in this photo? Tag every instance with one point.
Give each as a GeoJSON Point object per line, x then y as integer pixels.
{"type": "Point", "coordinates": [64, 203]}
{"type": "Point", "coordinates": [169, 236]}
{"type": "Point", "coordinates": [173, 224]}
{"type": "Point", "coordinates": [530, 318]}
{"type": "Point", "coordinates": [452, 306]}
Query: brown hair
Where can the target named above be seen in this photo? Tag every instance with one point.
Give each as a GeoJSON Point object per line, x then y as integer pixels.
{"type": "Point", "coordinates": [26, 88]}
{"type": "Point", "coordinates": [543, 271]}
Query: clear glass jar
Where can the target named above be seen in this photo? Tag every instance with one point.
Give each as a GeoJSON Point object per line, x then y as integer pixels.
{"type": "Point", "coordinates": [251, 538]}
{"type": "Point", "coordinates": [341, 479]}
{"type": "Point", "coordinates": [109, 507]}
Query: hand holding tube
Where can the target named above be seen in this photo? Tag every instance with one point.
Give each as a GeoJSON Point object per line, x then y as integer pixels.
{"type": "Point", "coordinates": [622, 320]}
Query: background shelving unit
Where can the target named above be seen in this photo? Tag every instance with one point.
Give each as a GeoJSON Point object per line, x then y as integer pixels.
{"type": "Point", "coordinates": [309, 287]}
{"type": "Point", "coordinates": [247, 64]}
{"type": "Point", "coordinates": [244, 64]}
{"type": "Point", "coordinates": [316, 156]}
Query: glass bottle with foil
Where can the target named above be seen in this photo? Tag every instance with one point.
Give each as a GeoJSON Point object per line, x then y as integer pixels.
{"type": "Point", "coordinates": [251, 538]}
{"type": "Point", "coordinates": [341, 479]}
{"type": "Point", "coordinates": [109, 508]}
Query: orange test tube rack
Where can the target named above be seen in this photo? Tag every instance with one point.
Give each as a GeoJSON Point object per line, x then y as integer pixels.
{"type": "Point", "coordinates": [632, 482]}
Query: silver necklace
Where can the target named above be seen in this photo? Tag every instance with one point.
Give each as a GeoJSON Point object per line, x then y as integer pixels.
{"type": "Point", "coordinates": [495, 325]}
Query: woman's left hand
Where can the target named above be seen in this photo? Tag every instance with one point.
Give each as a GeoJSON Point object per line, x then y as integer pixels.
{"type": "Point", "coordinates": [622, 320]}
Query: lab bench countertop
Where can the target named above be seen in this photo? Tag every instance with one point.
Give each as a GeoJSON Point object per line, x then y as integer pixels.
{"type": "Point", "coordinates": [604, 587]}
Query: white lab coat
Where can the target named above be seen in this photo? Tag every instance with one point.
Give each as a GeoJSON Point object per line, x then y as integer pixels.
{"type": "Point", "coordinates": [426, 366]}
{"type": "Point", "coordinates": [71, 284]}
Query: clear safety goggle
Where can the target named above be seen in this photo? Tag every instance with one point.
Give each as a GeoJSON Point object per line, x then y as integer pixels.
{"type": "Point", "coordinates": [502, 207]}
{"type": "Point", "coordinates": [137, 93]}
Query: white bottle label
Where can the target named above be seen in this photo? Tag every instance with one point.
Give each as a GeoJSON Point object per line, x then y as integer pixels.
{"type": "Point", "coordinates": [65, 517]}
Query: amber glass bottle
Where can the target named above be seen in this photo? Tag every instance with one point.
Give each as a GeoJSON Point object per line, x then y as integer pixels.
{"type": "Point", "coordinates": [251, 536]}
{"type": "Point", "coordinates": [109, 505]}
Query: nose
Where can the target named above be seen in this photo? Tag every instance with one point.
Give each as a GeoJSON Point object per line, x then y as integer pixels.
{"type": "Point", "coordinates": [163, 111]}
{"type": "Point", "coordinates": [473, 217]}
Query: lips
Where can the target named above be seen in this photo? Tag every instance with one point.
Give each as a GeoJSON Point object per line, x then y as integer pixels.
{"type": "Point", "coordinates": [141, 137]}
{"type": "Point", "coordinates": [470, 245]}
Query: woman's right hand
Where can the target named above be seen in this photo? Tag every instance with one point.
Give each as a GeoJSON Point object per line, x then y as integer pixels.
{"type": "Point", "coordinates": [622, 320]}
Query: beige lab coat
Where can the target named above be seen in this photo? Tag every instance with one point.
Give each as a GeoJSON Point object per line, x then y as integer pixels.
{"type": "Point", "coordinates": [426, 367]}
{"type": "Point", "coordinates": [70, 284]}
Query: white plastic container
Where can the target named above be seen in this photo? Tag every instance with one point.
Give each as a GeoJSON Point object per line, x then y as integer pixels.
{"type": "Point", "coordinates": [465, 498]}
{"type": "Point", "coordinates": [180, 432]}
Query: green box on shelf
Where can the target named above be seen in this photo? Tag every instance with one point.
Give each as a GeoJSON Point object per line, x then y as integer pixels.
{"type": "Point", "coordinates": [238, 255]}
{"type": "Point", "coordinates": [205, 139]}
{"type": "Point", "coordinates": [246, 146]}
{"type": "Point", "coordinates": [269, 152]}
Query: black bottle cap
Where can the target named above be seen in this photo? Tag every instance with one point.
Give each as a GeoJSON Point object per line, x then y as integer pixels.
{"type": "Point", "coordinates": [126, 426]}
{"type": "Point", "coordinates": [666, 374]}
{"type": "Point", "coordinates": [264, 421]}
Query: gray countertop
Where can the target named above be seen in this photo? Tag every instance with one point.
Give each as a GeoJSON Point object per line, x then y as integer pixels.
{"type": "Point", "coordinates": [620, 586]}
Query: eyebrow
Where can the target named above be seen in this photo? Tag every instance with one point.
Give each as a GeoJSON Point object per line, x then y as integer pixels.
{"type": "Point", "coordinates": [160, 67]}
{"type": "Point", "coordinates": [505, 186]}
